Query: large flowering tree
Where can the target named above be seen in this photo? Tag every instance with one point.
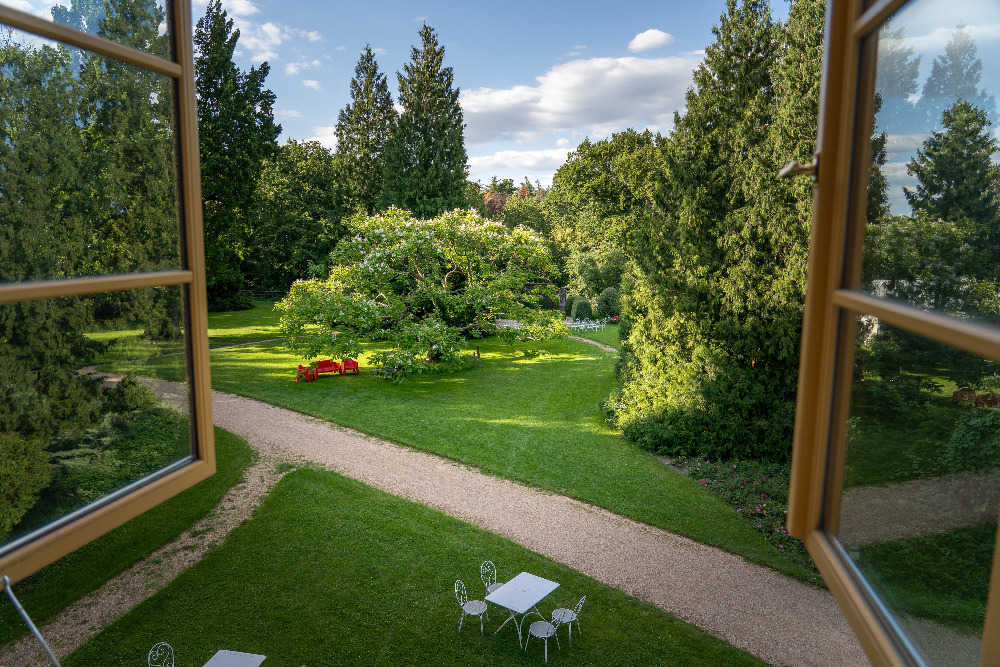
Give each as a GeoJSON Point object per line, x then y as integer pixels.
{"type": "Point", "coordinates": [424, 285]}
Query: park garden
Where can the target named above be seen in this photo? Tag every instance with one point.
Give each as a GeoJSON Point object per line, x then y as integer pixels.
{"type": "Point", "coordinates": [407, 267]}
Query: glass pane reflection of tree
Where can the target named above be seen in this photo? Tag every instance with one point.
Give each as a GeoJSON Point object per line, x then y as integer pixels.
{"type": "Point", "coordinates": [68, 438]}
{"type": "Point", "coordinates": [87, 170]}
{"type": "Point", "coordinates": [921, 486]}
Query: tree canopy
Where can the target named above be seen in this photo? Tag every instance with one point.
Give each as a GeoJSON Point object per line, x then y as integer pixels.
{"type": "Point", "coordinates": [424, 285]}
{"type": "Point", "coordinates": [236, 133]}
{"type": "Point", "coordinates": [426, 162]}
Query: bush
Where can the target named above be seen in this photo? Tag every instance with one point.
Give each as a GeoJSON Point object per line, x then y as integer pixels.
{"type": "Point", "coordinates": [607, 303]}
{"type": "Point", "coordinates": [129, 395]}
{"type": "Point", "coordinates": [975, 442]}
{"type": "Point", "coordinates": [24, 473]}
{"type": "Point", "coordinates": [569, 305]}
{"type": "Point", "coordinates": [581, 309]}
{"type": "Point", "coordinates": [759, 493]}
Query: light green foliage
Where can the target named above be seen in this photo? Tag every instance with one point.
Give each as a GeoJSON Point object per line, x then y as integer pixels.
{"type": "Point", "coordinates": [24, 472]}
{"type": "Point", "coordinates": [236, 134]}
{"type": "Point", "coordinates": [297, 215]}
{"type": "Point", "coordinates": [713, 303]}
{"type": "Point", "coordinates": [607, 303]}
{"type": "Point", "coordinates": [363, 130]}
{"type": "Point", "coordinates": [425, 158]}
{"type": "Point", "coordinates": [423, 284]}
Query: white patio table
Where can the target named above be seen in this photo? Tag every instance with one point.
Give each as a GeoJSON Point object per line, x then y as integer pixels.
{"type": "Point", "coordinates": [520, 595]}
{"type": "Point", "coordinates": [235, 659]}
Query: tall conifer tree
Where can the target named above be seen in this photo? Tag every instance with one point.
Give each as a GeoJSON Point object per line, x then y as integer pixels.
{"type": "Point", "coordinates": [363, 129]}
{"type": "Point", "coordinates": [426, 162]}
{"type": "Point", "coordinates": [236, 132]}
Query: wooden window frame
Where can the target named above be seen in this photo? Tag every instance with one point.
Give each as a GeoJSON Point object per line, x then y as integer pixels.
{"type": "Point", "coordinates": [63, 536]}
{"type": "Point", "coordinates": [833, 304]}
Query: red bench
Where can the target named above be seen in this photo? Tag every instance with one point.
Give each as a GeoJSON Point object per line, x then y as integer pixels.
{"type": "Point", "coordinates": [351, 365]}
{"type": "Point", "coordinates": [327, 366]}
{"type": "Point", "coordinates": [306, 372]}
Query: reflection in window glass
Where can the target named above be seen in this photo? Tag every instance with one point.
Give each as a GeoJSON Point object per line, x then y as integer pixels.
{"type": "Point", "coordinates": [933, 235]}
{"type": "Point", "coordinates": [922, 485]}
{"type": "Point", "coordinates": [87, 183]}
{"type": "Point", "coordinates": [138, 24]}
{"type": "Point", "coordinates": [69, 437]}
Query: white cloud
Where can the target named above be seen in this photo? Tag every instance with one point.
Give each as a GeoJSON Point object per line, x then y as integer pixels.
{"type": "Point", "coordinates": [547, 160]}
{"type": "Point", "coordinates": [379, 51]}
{"type": "Point", "coordinates": [327, 136]}
{"type": "Point", "coordinates": [263, 40]}
{"type": "Point", "coordinates": [340, 48]}
{"type": "Point", "coordinates": [29, 8]}
{"type": "Point", "coordinates": [597, 96]}
{"type": "Point", "coordinates": [240, 7]}
{"type": "Point", "coordinates": [311, 83]}
{"type": "Point", "coordinates": [313, 36]}
{"type": "Point", "coordinates": [294, 68]}
{"type": "Point", "coordinates": [650, 39]}
{"type": "Point", "coordinates": [287, 113]}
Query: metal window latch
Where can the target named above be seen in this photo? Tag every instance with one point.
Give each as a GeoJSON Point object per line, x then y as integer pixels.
{"type": "Point", "coordinates": [796, 168]}
{"type": "Point", "coordinates": [9, 589]}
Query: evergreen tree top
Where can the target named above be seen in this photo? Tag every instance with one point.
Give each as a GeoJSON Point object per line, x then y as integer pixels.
{"type": "Point", "coordinates": [425, 85]}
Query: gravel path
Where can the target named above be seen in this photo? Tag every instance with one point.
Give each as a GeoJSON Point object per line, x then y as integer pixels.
{"type": "Point", "coordinates": [776, 618]}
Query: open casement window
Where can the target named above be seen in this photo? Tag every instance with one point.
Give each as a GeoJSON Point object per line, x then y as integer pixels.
{"type": "Point", "coordinates": [101, 260]}
{"type": "Point", "coordinates": [896, 466]}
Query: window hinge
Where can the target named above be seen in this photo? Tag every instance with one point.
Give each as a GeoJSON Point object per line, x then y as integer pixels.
{"type": "Point", "coordinates": [796, 168]}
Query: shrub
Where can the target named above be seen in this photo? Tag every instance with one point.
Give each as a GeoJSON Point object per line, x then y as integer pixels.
{"type": "Point", "coordinates": [129, 395]}
{"type": "Point", "coordinates": [607, 303]}
{"type": "Point", "coordinates": [24, 472]}
{"type": "Point", "coordinates": [975, 442]}
{"type": "Point", "coordinates": [569, 305]}
{"type": "Point", "coordinates": [581, 309]}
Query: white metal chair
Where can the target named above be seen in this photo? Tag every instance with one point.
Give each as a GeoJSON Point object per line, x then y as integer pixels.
{"type": "Point", "coordinates": [161, 655]}
{"type": "Point", "coordinates": [488, 573]}
{"type": "Point", "coordinates": [567, 616]}
{"type": "Point", "coordinates": [543, 630]}
{"type": "Point", "coordinates": [469, 607]}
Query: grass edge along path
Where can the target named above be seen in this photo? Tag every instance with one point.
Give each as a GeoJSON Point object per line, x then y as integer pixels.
{"type": "Point", "coordinates": [540, 403]}
{"type": "Point", "coordinates": [330, 571]}
{"type": "Point", "coordinates": [50, 590]}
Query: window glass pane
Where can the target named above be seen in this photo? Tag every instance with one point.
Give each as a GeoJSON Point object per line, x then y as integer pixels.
{"type": "Point", "coordinates": [921, 485]}
{"type": "Point", "coordinates": [138, 24]}
{"type": "Point", "coordinates": [70, 437]}
{"type": "Point", "coordinates": [87, 166]}
{"type": "Point", "coordinates": [933, 234]}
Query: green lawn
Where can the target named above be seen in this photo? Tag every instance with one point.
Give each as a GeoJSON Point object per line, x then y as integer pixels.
{"type": "Point", "coordinates": [232, 328]}
{"type": "Point", "coordinates": [52, 588]}
{"type": "Point", "coordinates": [607, 336]}
{"type": "Point", "coordinates": [529, 417]}
{"type": "Point", "coordinates": [331, 572]}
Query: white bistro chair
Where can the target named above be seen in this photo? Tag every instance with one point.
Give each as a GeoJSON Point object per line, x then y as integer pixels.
{"type": "Point", "coordinates": [488, 573]}
{"type": "Point", "coordinates": [543, 630]}
{"type": "Point", "coordinates": [161, 655]}
{"type": "Point", "coordinates": [567, 616]}
{"type": "Point", "coordinates": [469, 607]}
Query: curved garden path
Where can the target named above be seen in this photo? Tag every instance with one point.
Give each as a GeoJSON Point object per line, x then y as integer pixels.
{"type": "Point", "coordinates": [772, 616]}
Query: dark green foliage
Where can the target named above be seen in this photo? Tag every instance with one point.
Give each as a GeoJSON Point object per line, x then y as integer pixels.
{"type": "Point", "coordinates": [127, 395]}
{"type": "Point", "coordinates": [758, 493]}
{"type": "Point", "coordinates": [297, 215]}
{"type": "Point", "coordinates": [236, 134]}
{"type": "Point", "coordinates": [24, 472]}
{"type": "Point", "coordinates": [714, 302]}
{"type": "Point", "coordinates": [975, 442]}
{"type": "Point", "coordinates": [581, 309]}
{"type": "Point", "coordinates": [569, 304]}
{"type": "Point", "coordinates": [607, 303]}
{"type": "Point", "coordinates": [363, 130]}
{"type": "Point", "coordinates": [425, 163]}
{"type": "Point", "coordinates": [957, 179]}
